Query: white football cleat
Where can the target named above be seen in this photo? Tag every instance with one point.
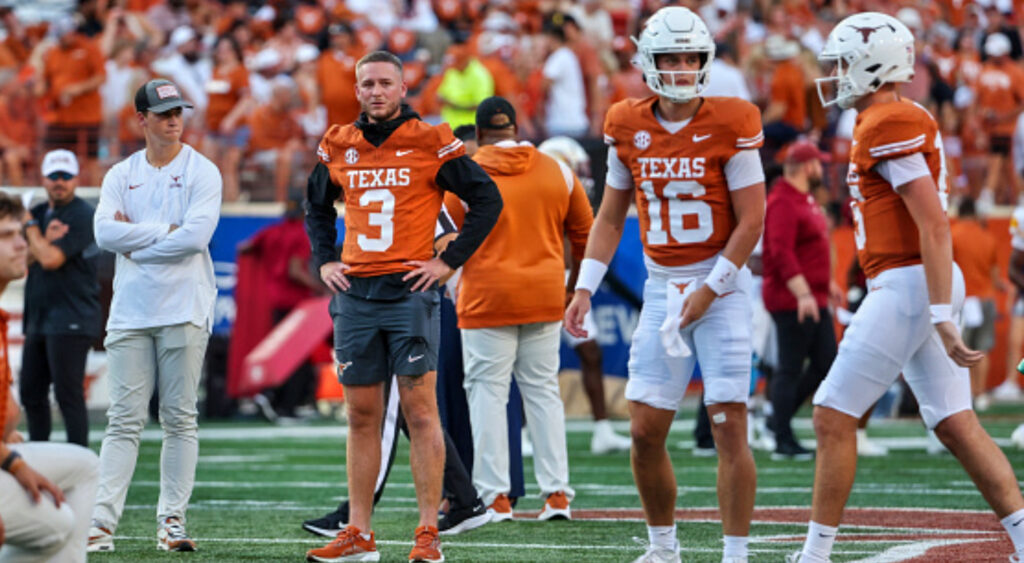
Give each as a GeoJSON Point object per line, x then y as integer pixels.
{"type": "Point", "coordinates": [867, 448]}
{"type": "Point", "coordinates": [100, 540]}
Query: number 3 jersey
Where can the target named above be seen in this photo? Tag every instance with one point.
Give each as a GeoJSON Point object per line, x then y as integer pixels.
{"type": "Point", "coordinates": [682, 178]}
{"type": "Point", "coordinates": [392, 199]}
{"type": "Point", "coordinates": [884, 230]}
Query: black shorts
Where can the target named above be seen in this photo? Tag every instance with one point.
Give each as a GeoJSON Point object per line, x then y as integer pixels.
{"type": "Point", "coordinates": [1000, 145]}
{"type": "Point", "coordinates": [375, 339]}
{"type": "Point", "coordinates": [79, 139]}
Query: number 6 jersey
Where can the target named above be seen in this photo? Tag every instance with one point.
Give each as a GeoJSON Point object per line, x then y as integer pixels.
{"type": "Point", "coordinates": [391, 195]}
{"type": "Point", "coordinates": [885, 233]}
{"type": "Point", "coordinates": [683, 178]}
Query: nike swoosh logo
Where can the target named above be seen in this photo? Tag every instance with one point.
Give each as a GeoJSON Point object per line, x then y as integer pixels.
{"type": "Point", "coordinates": [131, 187]}
{"type": "Point", "coordinates": [402, 153]}
{"type": "Point", "coordinates": [699, 138]}
{"type": "Point", "coordinates": [415, 358]}
{"type": "Point", "coordinates": [824, 535]}
{"type": "Point", "coordinates": [1018, 522]}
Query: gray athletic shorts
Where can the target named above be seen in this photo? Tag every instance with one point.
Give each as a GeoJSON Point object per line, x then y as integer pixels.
{"type": "Point", "coordinates": [375, 339]}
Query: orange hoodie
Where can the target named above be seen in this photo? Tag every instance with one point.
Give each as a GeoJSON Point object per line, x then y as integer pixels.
{"type": "Point", "coordinates": [517, 276]}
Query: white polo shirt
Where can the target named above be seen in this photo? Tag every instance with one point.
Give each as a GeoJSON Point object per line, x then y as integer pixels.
{"type": "Point", "coordinates": [169, 278]}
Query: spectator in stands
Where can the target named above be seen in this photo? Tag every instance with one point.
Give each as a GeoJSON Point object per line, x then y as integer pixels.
{"type": "Point", "coordinates": [565, 99]}
{"type": "Point", "coordinates": [123, 77]}
{"type": "Point", "coordinates": [19, 123]}
{"type": "Point", "coordinates": [596, 23]}
{"type": "Point", "coordinates": [62, 302]}
{"type": "Point", "coordinates": [1000, 98]}
{"type": "Point", "coordinates": [725, 78]}
{"type": "Point", "coordinates": [785, 118]}
{"type": "Point", "coordinates": [797, 289]}
{"type": "Point", "coordinates": [336, 75]}
{"type": "Point", "coordinates": [628, 80]}
{"type": "Point", "coordinates": [974, 250]}
{"type": "Point", "coordinates": [183, 63]}
{"type": "Point", "coordinates": [312, 114]}
{"type": "Point", "coordinates": [277, 140]}
{"type": "Point", "coordinates": [266, 66]}
{"type": "Point", "coordinates": [464, 84]}
{"type": "Point", "coordinates": [595, 80]}
{"type": "Point", "coordinates": [227, 133]}
{"type": "Point", "coordinates": [46, 499]}
{"type": "Point", "coordinates": [73, 71]}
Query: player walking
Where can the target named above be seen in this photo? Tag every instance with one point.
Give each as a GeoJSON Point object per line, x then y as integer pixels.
{"type": "Point", "coordinates": [907, 322]}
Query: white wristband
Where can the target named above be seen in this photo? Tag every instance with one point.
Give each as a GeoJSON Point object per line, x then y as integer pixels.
{"type": "Point", "coordinates": [722, 278]}
{"type": "Point", "coordinates": [591, 273]}
{"type": "Point", "coordinates": [941, 313]}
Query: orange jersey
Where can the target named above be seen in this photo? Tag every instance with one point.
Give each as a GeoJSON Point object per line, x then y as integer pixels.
{"type": "Point", "coordinates": [74, 65]}
{"type": "Point", "coordinates": [975, 251]}
{"type": "Point", "coordinates": [517, 276]}
{"type": "Point", "coordinates": [1000, 90]}
{"type": "Point", "coordinates": [682, 196]}
{"type": "Point", "coordinates": [391, 197]}
{"type": "Point", "coordinates": [885, 232]}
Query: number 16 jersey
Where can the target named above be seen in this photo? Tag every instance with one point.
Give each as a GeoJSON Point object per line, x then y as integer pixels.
{"type": "Point", "coordinates": [391, 194]}
{"type": "Point", "coordinates": [682, 178]}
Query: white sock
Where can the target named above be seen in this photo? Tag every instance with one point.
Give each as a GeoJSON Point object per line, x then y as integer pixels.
{"type": "Point", "coordinates": [663, 537]}
{"type": "Point", "coordinates": [602, 427]}
{"type": "Point", "coordinates": [818, 545]}
{"type": "Point", "coordinates": [1014, 525]}
{"type": "Point", "coordinates": [735, 546]}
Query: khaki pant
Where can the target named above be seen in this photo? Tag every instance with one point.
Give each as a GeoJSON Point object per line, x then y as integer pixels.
{"type": "Point", "coordinates": [171, 359]}
{"type": "Point", "coordinates": [41, 531]}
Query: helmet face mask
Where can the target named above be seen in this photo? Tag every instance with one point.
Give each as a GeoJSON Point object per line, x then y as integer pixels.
{"type": "Point", "coordinates": [674, 30]}
{"type": "Point", "coordinates": [868, 50]}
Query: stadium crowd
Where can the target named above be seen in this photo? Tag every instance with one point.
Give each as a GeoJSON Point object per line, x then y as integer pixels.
{"type": "Point", "coordinates": [268, 78]}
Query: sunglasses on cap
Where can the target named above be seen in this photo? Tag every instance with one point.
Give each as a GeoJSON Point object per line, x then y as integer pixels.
{"type": "Point", "coordinates": [54, 176]}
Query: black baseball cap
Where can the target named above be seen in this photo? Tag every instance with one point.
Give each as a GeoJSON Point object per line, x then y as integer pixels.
{"type": "Point", "coordinates": [159, 96]}
{"type": "Point", "coordinates": [495, 113]}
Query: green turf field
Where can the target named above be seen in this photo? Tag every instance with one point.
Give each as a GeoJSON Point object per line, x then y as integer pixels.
{"type": "Point", "coordinates": [256, 483]}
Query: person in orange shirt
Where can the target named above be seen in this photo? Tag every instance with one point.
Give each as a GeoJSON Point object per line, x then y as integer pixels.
{"type": "Point", "coordinates": [336, 72]}
{"type": "Point", "coordinates": [974, 250]}
{"type": "Point", "coordinates": [785, 118]}
{"type": "Point", "coordinates": [508, 324]}
{"type": "Point", "coordinates": [392, 169]}
{"type": "Point", "coordinates": [73, 71]}
{"type": "Point", "coordinates": [18, 125]}
{"type": "Point", "coordinates": [277, 138]}
{"type": "Point", "coordinates": [1000, 91]}
{"type": "Point", "coordinates": [229, 102]}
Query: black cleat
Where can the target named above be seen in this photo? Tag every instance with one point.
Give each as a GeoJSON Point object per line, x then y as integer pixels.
{"type": "Point", "coordinates": [330, 524]}
{"type": "Point", "coordinates": [458, 520]}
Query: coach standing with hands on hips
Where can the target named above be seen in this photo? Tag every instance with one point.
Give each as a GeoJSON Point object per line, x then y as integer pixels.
{"type": "Point", "coordinates": [62, 302]}
{"type": "Point", "coordinates": [158, 210]}
{"type": "Point", "coordinates": [797, 288]}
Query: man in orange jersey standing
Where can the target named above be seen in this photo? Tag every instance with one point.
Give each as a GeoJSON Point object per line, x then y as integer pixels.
{"type": "Point", "coordinates": [908, 321]}
{"type": "Point", "coordinates": [692, 164]}
{"type": "Point", "coordinates": [392, 169]}
{"type": "Point", "coordinates": [511, 327]}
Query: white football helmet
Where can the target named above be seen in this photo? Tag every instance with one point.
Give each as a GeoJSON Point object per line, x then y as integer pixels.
{"type": "Point", "coordinates": [674, 30]}
{"type": "Point", "coordinates": [570, 153]}
{"type": "Point", "coordinates": [869, 49]}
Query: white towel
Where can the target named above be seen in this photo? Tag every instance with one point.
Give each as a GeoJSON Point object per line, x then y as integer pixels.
{"type": "Point", "coordinates": [973, 313]}
{"type": "Point", "coordinates": [676, 291]}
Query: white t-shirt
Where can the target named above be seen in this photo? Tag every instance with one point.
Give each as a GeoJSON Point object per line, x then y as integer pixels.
{"type": "Point", "coordinates": [169, 277]}
{"type": "Point", "coordinates": [566, 104]}
{"type": "Point", "coordinates": [726, 80]}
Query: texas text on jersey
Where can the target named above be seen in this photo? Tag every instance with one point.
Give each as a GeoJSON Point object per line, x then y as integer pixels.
{"type": "Point", "coordinates": [885, 233]}
{"type": "Point", "coordinates": [683, 197]}
{"type": "Point", "coordinates": [391, 198]}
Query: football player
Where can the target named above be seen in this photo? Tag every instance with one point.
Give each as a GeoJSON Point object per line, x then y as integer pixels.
{"type": "Point", "coordinates": [692, 164]}
{"type": "Point", "coordinates": [392, 169]}
{"type": "Point", "coordinates": [908, 321]}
